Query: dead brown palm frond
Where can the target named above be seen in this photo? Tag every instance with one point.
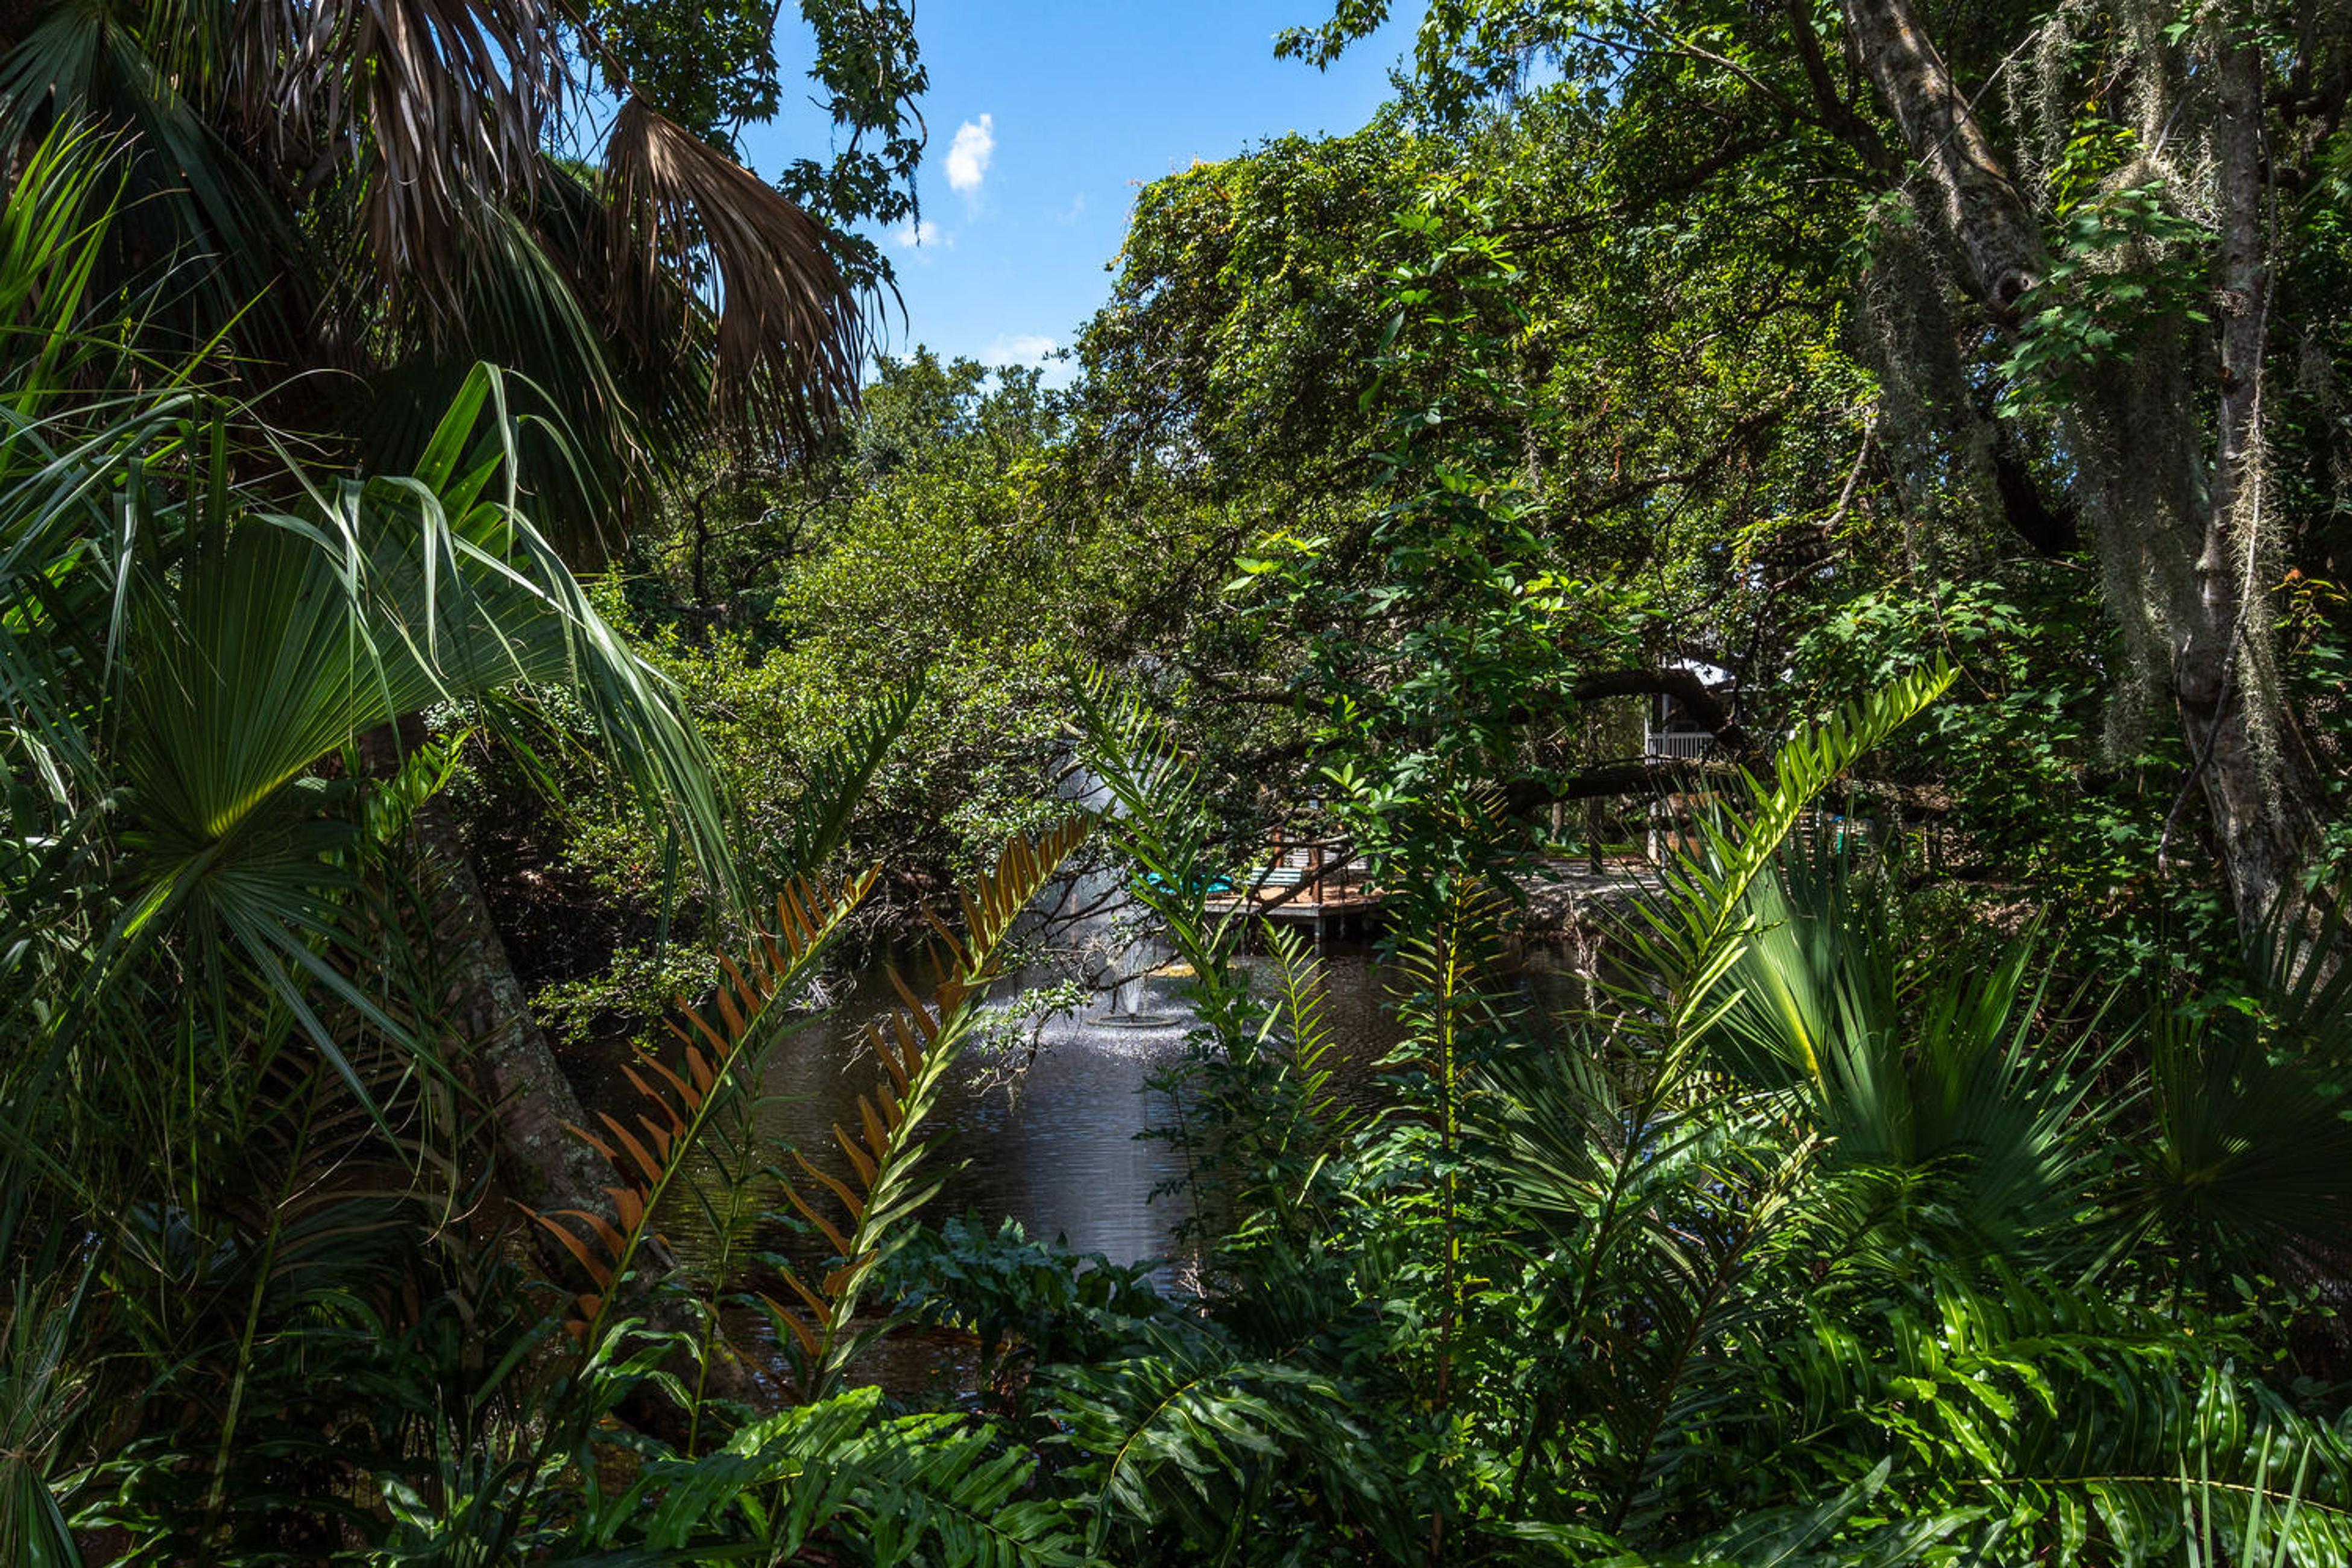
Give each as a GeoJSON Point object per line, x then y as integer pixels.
{"type": "Point", "coordinates": [916, 1046]}
{"type": "Point", "coordinates": [445, 102]}
{"type": "Point", "coordinates": [722, 1052]}
{"type": "Point", "coordinates": [790, 333]}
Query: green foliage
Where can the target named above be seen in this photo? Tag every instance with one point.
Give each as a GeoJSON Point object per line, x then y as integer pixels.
{"type": "Point", "coordinates": [366, 207]}
{"type": "Point", "coordinates": [923, 592]}
{"type": "Point", "coordinates": [1771, 1258]}
{"type": "Point", "coordinates": [2242, 1171]}
{"type": "Point", "coordinates": [1191, 1444]}
{"type": "Point", "coordinates": [2013, 768]}
{"type": "Point", "coordinates": [1843, 1223]}
{"type": "Point", "coordinates": [865, 60]}
{"type": "Point", "coordinates": [42, 1390]}
{"type": "Point", "coordinates": [1026, 1302]}
{"type": "Point", "coordinates": [2110, 285]}
{"type": "Point", "coordinates": [257, 1312]}
{"type": "Point", "coordinates": [1902, 1061]}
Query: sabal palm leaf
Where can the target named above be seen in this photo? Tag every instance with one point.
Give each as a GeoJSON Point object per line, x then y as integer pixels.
{"type": "Point", "coordinates": [1903, 1064]}
{"type": "Point", "coordinates": [789, 336]}
{"type": "Point", "coordinates": [528, 291]}
{"type": "Point", "coordinates": [2305, 998]}
{"type": "Point", "coordinates": [287, 636]}
{"type": "Point", "coordinates": [2247, 1163]}
{"type": "Point", "coordinates": [446, 100]}
{"type": "Point", "coordinates": [51, 228]}
{"type": "Point", "coordinates": [199, 239]}
{"type": "Point", "coordinates": [2248, 1166]}
{"type": "Point", "coordinates": [363, 186]}
{"type": "Point", "coordinates": [219, 652]}
{"type": "Point", "coordinates": [40, 1391]}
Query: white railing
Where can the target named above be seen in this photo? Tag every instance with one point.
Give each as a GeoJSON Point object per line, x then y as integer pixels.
{"type": "Point", "coordinates": [1684, 745]}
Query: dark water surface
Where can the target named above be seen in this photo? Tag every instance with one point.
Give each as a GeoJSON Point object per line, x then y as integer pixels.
{"type": "Point", "coordinates": [1057, 1146]}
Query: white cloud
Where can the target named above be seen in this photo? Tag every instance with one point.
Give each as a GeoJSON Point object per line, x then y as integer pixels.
{"type": "Point", "coordinates": [974, 145]}
{"type": "Point", "coordinates": [924, 234]}
{"type": "Point", "coordinates": [1021, 349]}
{"type": "Point", "coordinates": [1071, 214]}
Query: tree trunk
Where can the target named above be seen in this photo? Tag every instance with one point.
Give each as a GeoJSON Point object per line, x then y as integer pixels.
{"type": "Point", "coordinates": [1983, 212]}
{"type": "Point", "coordinates": [2259, 794]}
{"type": "Point", "coordinates": [544, 1166]}
{"type": "Point", "coordinates": [2261, 823]}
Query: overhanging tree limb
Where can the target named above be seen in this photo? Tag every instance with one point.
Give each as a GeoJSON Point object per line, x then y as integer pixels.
{"type": "Point", "coordinates": [1697, 699]}
{"type": "Point", "coordinates": [1986, 214]}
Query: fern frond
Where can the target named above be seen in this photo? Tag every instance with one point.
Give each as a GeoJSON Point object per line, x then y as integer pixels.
{"type": "Point", "coordinates": [2066, 1418]}
{"type": "Point", "coordinates": [931, 1489]}
{"type": "Point", "coordinates": [836, 781]}
{"type": "Point", "coordinates": [937, 1488]}
{"type": "Point", "coordinates": [1800, 1537]}
{"type": "Point", "coordinates": [723, 1045]}
{"type": "Point", "coordinates": [1181, 1439]}
{"type": "Point", "coordinates": [916, 1045]}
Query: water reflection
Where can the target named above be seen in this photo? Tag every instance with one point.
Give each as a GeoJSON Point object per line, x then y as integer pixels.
{"type": "Point", "coordinates": [1057, 1146]}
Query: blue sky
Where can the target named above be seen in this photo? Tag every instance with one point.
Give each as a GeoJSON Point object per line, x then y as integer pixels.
{"type": "Point", "coordinates": [1046, 118]}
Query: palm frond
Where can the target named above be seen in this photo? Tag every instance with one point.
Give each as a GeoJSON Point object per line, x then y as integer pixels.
{"type": "Point", "coordinates": [588, 434]}
{"type": "Point", "coordinates": [1905, 1065]}
{"type": "Point", "coordinates": [446, 101]}
{"type": "Point", "coordinates": [258, 640]}
{"type": "Point", "coordinates": [791, 336]}
{"type": "Point", "coordinates": [2249, 1166]}
{"type": "Point", "coordinates": [40, 1390]}
{"type": "Point", "coordinates": [52, 227]}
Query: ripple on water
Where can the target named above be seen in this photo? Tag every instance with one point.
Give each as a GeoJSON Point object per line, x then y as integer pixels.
{"type": "Point", "coordinates": [1057, 1146]}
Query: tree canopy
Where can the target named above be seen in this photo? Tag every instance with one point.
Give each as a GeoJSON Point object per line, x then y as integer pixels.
{"type": "Point", "coordinates": [1787, 560]}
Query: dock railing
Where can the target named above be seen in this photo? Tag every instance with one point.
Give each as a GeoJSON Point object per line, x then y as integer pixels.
{"type": "Point", "coordinates": [1302, 876]}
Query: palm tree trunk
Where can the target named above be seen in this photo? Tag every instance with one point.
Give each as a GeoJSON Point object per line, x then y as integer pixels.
{"type": "Point", "coordinates": [543, 1164]}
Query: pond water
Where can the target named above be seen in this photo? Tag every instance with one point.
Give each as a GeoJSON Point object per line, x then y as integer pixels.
{"type": "Point", "coordinates": [1057, 1146]}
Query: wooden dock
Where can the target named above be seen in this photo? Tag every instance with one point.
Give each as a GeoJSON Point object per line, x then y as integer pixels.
{"type": "Point", "coordinates": [1308, 884]}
